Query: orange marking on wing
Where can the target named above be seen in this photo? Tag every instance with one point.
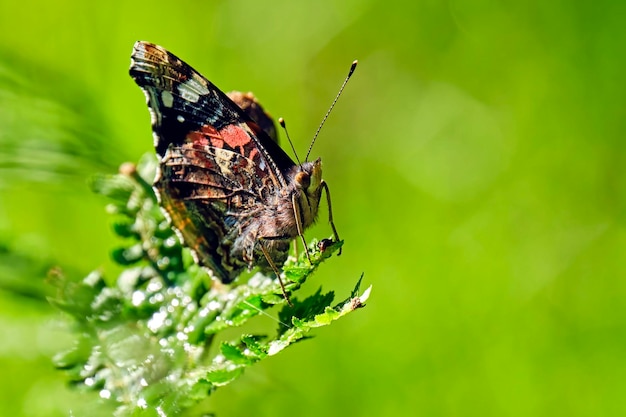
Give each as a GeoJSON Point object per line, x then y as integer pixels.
{"type": "Point", "coordinates": [235, 136]}
{"type": "Point", "coordinates": [197, 138]}
{"type": "Point", "coordinates": [207, 135]}
{"type": "Point", "coordinates": [216, 139]}
{"type": "Point", "coordinates": [253, 153]}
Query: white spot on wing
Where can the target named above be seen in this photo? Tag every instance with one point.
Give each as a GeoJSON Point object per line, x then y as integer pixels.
{"type": "Point", "coordinates": [180, 118]}
{"type": "Point", "coordinates": [167, 98]}
{"type": "Point", "coordinates": [193, 88]}
{"type": "Point", "coordinates": [188, 95]}
{"type": "Point", "coordinates": [198, 84]}
{"type": "Point", "coordinates": [223, 157]}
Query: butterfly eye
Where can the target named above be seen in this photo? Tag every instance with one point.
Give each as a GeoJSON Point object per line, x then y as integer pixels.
{"type": "Point", "coordinates": [303, 179]}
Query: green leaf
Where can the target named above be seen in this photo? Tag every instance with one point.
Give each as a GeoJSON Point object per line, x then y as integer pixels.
{"type": "Point", "coordinates": [253, 345]}
{"type": "Point", "coordinates": [221, 377]}
{"type": "Point", "coordinates": [234, 354]}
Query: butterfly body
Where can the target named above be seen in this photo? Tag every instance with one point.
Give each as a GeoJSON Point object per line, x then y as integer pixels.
{"type": "Point", "coordinates": [234, 196]}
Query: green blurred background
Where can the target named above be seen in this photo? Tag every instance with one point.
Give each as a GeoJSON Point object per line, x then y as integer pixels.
{"type": "Point", "coordinates": [475, 161]}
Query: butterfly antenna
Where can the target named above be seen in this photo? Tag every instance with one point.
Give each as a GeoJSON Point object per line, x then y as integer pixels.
{"type": "Point", "coordinates": [352, 68]}
{"type": "Point", "coordinates": [282, 123]}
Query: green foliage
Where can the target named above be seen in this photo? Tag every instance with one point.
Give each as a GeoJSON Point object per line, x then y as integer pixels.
{"type": "Point", "coordinates": [476, 164]}
{"type": "Point", "coordinates": [145, 340]}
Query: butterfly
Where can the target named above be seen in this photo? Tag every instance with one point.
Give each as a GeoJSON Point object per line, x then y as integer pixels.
{"type": "Point", "coordinates": [235, 198]}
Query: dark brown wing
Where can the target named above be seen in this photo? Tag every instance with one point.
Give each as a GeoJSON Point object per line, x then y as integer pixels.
{"type": "Point", "coordinates": [217, 164]}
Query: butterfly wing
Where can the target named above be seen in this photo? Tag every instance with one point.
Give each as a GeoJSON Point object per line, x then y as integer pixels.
{"type": "Point", "coordinates": [217, 166]}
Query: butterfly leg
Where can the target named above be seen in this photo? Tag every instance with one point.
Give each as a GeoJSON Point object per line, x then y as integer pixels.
{"type": "Point", "coordinates": [298, 216]}
{"type": "Point", "coordinates": [270, 261]}
{"type": "Point", "coordinates": [330, 213]}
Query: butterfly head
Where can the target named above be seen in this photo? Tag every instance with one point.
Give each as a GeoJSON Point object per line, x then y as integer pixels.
{"type": "Point", "coordinates": [309, 177]}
